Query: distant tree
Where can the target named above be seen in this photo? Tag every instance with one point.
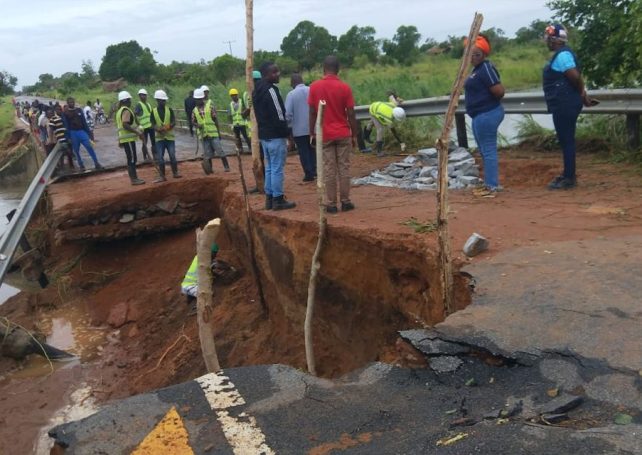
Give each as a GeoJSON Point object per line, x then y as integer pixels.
{"type": "Point", "coordinates": [8, 83]}
{"type": "Point", "coordinates": [46, 81]}
{"type": "Point", "coordinates": [88, 74]}
{"type": "Point", "coordinates": [609, 42]}
{"type": "Point", "coordinates": [265, 56]}
{"type": "Point", "coordinates": [127, 60]}
{"type": "Point", "coordinates": [404, 45]}
{"type": "Point", "coordinates": [429, 43]}
{"type": "Point", "coordinates": [227, 67]}
{"type": "Point", "coordinates": [358, 41]}
{"type": "Point", "coordinates": [531, 33]}
{"type": "Point", "coordinates": [308, 44]}
{"type": "Point", "coordinates": [69, 83]}
{"type": "Point", "coordinates": [286, 64]}
{"type": "Point", "coordinates": [496, 36]}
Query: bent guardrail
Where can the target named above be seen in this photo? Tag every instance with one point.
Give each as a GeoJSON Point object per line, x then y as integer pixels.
{"type": "Point", "coordinates": [11, 238]}
{"type": "Point", "coordinates": [614, 101]}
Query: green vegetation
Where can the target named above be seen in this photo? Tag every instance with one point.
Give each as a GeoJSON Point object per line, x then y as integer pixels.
{"type": "Point", "coordinates": [7, 83]}
{"type": "Point", "coordinates": [7, 116]}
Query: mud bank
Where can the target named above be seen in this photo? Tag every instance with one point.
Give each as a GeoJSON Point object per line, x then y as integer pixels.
{"type": "Point", "coordinates": [371, 283]}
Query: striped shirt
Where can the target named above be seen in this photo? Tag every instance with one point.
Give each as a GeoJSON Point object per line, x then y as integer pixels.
{"type": "Point", "coordinates": [58, 128]}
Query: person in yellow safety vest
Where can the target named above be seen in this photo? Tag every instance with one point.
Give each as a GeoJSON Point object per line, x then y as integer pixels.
{"type": "Point", "coordinates": [239, 123]}
{"type": "Point", "coordinates": [207, 129]}
{"type": "Point", "coordinates": [189, 286]}
{"type": "Point", "coordinates": [143, 111]}
{"type": "Point", "coordinates": [127, 134]}
{"type": "Point", "coordinates": [164, 121]}
{"type": "Point", "coordinates": [384, 115]}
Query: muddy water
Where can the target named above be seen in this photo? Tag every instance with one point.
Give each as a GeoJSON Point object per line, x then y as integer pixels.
{"type": "Point", "coordinates": [9, 200]}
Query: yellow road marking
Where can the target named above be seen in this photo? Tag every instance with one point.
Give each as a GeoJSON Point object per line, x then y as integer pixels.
{"type": "Point", "coordinates": [169, 436]}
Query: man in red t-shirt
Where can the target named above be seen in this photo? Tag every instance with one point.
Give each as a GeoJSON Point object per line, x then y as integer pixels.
{"type": "Point", "coordinates": [339, 132]}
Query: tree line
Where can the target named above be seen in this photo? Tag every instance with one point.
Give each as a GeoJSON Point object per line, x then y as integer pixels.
{"type": "Point", "coordinates": [605, 35]}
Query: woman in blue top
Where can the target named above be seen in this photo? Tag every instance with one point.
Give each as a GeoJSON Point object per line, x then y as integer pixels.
{"type": "Point", "coordinates": [484, 91]}
{"type": "Point", "coordinates": [565, 95]}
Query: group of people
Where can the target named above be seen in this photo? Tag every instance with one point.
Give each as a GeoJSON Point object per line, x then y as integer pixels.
{"type": "Point", "coordinates": [564, 93]}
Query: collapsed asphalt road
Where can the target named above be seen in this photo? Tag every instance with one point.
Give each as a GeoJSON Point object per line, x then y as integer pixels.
{"type": "Point", "coordinates": [545, 361]}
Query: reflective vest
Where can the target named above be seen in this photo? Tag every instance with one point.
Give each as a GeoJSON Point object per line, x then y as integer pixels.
{"type": "Point", "coordinates": [167, 135]}
{"type": "Point", "coordinates": [123, 134]}
{"type": "Point", "coordinates": [206, 126]}
{"type": "Point", "coordinates": [236, 113]}
{"type": "Point", "coordinates": [382, 112]}
{"type": "Point", "coordinates": [191, 277]}
{"type": "Point", "coordinates": [208, 105]}
{"type": "Point", "coordinates": [144, 120]}
{"type": "Point", "coordinates": [247, 99]}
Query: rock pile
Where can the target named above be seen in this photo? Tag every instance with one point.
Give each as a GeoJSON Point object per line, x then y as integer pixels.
{"type": "Point", "coordinates": [420, 171]}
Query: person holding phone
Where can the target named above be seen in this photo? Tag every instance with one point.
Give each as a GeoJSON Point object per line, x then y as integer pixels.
{"type": "Point", "coordinates": [565, 95]}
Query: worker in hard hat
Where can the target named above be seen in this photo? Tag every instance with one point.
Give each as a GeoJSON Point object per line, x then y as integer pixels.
{"type": "Point", "coordinates": [164, 122]}
{"type": "Point", "coordinates": [143, 111]}
{"type": "Point", "coordinates": [206, 93]}
{"type": "Point", "coordinates": [239, 123]}
{"type": "Point", "coordinates": [384, 115]}
{"type": "Point", "coordinates": [128, 131]}
{"type": "Point", "coordinates": [207, 129]}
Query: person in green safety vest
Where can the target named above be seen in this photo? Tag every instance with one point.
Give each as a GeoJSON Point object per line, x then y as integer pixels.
{"type": "Point", "coordinates": [128, 132]}
{"type": "Point", "coordinates": [384, 115]}
{"type": "Point", "coordinates": [164, 121]}
{"type": "Point", "coordinates": [207, 129]}
{"type": "Point", "coordinates": [189, 285]}
{"type": "Point", "coordinates": [143, 111]}
{"type": "Point", "coordinates": [239, 123]}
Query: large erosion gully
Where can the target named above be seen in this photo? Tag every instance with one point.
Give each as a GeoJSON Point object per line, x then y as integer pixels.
{"type": "Point", "coordinates": [370, 285]}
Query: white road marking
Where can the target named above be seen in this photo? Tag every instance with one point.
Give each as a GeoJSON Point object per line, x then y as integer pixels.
{"type": "Point", "coordinates": [242, 433]}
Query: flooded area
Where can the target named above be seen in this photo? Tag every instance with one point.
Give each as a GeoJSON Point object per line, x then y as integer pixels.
{"type": "Point", "coordinates": [9, 200]}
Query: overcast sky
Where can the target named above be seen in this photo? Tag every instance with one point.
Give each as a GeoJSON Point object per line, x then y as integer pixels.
{"type": "Point", "coordinates": [43, 36]}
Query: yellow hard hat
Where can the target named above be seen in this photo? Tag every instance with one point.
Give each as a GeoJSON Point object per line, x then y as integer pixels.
{"type": "Point", "coordinates": [233, 91]}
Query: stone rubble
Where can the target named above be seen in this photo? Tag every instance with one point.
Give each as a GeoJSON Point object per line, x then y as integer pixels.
{"type": "Point", "coordinates": [420, 171]}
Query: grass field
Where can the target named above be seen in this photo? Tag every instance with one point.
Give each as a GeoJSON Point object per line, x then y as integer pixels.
{"type": "Point", "coordinates": [7, 116]}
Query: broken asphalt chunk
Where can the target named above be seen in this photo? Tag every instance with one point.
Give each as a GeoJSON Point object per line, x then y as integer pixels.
{"type": "Point", "coordinates": [475, 245]}
{"type": "Point", "coordinates": [426, 342]}
{"type": "Point", "coordinates": [445, 364]}
{"type": "Point", "coordinates": [561, 404]}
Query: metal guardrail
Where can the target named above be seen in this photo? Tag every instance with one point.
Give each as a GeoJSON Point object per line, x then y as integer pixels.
{"type": "Point", "coordinates": [616, 101]}
{"type": "Point", "coordinates": [11, 238]}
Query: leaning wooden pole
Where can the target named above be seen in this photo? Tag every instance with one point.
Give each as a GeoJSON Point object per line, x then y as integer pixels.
{"type": "Point", "coordinates": [445, 256]}
{"type": "Point", "coordinates": [250, 234]}
{"type": "Point", "coordinates": [204, 239]}
{"type": "Point", "coordinates": [316, 264]}
{"type": "Point", "coordinates": [257, 165]}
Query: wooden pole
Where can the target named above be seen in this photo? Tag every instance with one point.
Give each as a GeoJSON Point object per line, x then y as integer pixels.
{"type": "Point", "coordinates": [445, 256]}
{"type": "Point", "coordinates": [250, 234]}
{"type": "Point", "coordinates": [316, 264]}
{"type": "Point", "coordinates": [257, 165]}
{"type": "Point", "coordinates": [204, 239]}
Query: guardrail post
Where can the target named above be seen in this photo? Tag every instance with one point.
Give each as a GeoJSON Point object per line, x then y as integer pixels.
{"type": "Point", "coordinates": [462, 136]}
{"type": "Point", "coordinates": [633, 131]}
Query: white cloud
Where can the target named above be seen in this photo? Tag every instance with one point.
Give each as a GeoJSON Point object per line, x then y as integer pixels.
{"type": "Point", "coordinates": [54, 37]}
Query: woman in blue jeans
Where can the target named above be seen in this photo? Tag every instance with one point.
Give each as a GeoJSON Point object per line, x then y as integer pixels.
{"type": "Point", "coordinates": [565, 95]}
{"type": "Point", "coordinates": [484, 91]}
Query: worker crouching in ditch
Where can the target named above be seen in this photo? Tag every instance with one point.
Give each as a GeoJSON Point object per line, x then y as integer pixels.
{"type": "Point", "coordinates": [222, 273]}
{"type": "Point", "coordinates": [207, 129]}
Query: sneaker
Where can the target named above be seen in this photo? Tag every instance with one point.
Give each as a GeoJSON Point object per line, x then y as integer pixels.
{"type": "Point", "coordinates": [160, 179]}
{"type": "Point", "coordinates": [366, 150]}
{"type": "Point", "coordinates": [331, 209]}
{"type": "Point", "coordinates": [562, 183]}
{"type": "Point", "coordinates": [347, 206]}
{"type": "Point", "coordinates": [137, 181]}
{"type": "Point", "coordinates": [176, 175]}
{"type": "Point", "coordinates": [98, 167]}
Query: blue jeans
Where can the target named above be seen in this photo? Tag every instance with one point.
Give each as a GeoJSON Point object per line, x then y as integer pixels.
{"type": "Point", "coordinates": [81, 137]}
{"type": "Point", "coordinates": [170, 146]}
{"type": "Point", "coordinates": [307, 155]}
{"type": "Point", "coordinates": [485, 127]}
{"type": "Point", "coordinates": [275, 151]}
{"type": "Point", "coordinates": [565, 123]}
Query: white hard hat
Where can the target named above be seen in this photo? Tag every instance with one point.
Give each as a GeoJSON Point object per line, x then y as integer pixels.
{"type": "Point", "coordinates": [199, 94]}
{"type": "Point", "coordinates": [160, 95]}
{"type": "Point", "coordinates": [124, 95]}
{"type": "Point", "coordinates": [205, 88]}
{"type": "Point", "coordinates": [142, 91]}
{"type": "Point", "coordinates": [398, 113]}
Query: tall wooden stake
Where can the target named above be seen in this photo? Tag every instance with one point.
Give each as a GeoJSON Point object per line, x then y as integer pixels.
{"type": "Point", "coordinates": [204, 239]}
{"type": "Point", "coordinates": [250, 234]}
{"type": "Point", "coordinates": [445, 255]}
{"type": "Point", "coordinates": [257, 166]}
{"type": "Point", "coordinates": [316, 264]}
